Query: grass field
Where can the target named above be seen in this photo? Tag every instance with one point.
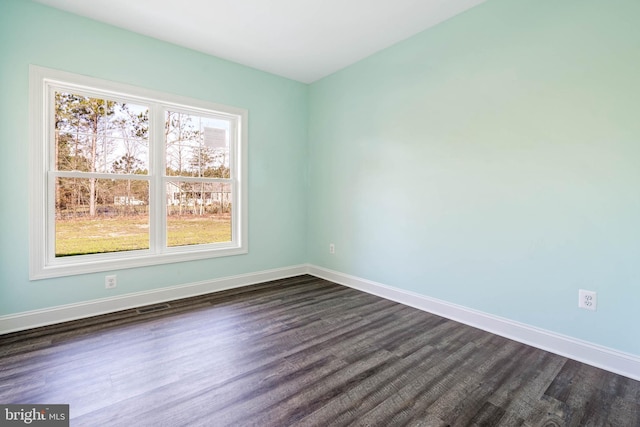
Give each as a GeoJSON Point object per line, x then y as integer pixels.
{"type": "Point", "coordinates": [101, 235]}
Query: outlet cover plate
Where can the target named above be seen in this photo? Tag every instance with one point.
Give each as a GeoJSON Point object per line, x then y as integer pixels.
{"type": "Point", "coordinates": [110, 282]}
{"type": "Point", "coordinates": [587, 299]}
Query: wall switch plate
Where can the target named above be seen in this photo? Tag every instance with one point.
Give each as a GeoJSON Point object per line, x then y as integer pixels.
{"type": "Point", "coordinates": [587, 299]}
{"type": "Point", "coordinates": [110, 282]}
{"type": "Point", "coordinates": [332, 248]}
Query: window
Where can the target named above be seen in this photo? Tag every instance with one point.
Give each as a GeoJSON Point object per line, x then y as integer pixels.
{"type": "Point", "coordinates": [125, 177]}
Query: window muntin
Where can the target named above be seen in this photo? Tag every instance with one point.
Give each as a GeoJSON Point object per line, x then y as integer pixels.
{"type": "Point", "coordinates": [127, 177]}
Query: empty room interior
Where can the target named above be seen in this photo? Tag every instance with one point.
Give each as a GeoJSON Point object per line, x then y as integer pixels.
{"type": "Point", "coordinates": [321, 212]}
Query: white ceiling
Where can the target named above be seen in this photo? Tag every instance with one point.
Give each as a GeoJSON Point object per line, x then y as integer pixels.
{"type": "Point", "coordinates": [304, 40]}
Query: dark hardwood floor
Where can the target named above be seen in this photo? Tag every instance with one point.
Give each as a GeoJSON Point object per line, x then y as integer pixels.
{"type": "Point", "coordinates": [304, 352]}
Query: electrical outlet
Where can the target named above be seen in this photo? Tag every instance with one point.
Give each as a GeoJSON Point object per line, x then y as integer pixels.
{"type": "Point", "coordinates": [332, 248]}
{"type": "Point", "coordinates": [110, 282]}
{"type": "Point", "coordinates": [587, 299]}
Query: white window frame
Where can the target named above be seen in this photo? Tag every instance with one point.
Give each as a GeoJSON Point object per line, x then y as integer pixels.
{"type": "Point", "coordinates": [43, 262]}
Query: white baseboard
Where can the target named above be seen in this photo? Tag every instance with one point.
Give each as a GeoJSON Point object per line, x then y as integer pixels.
{"type": "Point", "coordinates": [64, 313]}
{"type": "Point", "coordinates": [586, 352]}
{"type": "Point", "coordinates": [582, 351]}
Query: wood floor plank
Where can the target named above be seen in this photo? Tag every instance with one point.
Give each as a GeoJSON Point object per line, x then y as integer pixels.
{"type": "Point", "coordinates": [520, 395]}
{"type": "Point", "coordinates": [302, 352]}
{"type": "Point", "coordinates": [488, 415]}
{"type": "Point", "coordinates": [373, 391]}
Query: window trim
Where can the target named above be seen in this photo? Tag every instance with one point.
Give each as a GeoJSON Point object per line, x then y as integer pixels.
{"type": "Point", "coordinates": [42, 265]}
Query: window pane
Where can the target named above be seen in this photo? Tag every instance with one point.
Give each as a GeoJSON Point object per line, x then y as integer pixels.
{"type": "Point", "coordinates": [100, 135]}
{"type": "Point", "coordinates": [198, 213]}
{"type": "Point", "coordinates": [196, 145]}
{"type": "Point", "coordinates": [114, 219]}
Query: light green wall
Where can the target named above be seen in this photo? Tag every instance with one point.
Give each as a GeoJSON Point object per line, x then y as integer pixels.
{"type": "Point", "coordinates": [492, 161]}
{"type": "Point", "coordinates": [34, 34]}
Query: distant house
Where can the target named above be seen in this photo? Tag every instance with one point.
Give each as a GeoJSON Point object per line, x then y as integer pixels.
{"type": "Point", "coordinates": [198, 194]}
{"type": "Point", "coordinates": [127, 201]}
